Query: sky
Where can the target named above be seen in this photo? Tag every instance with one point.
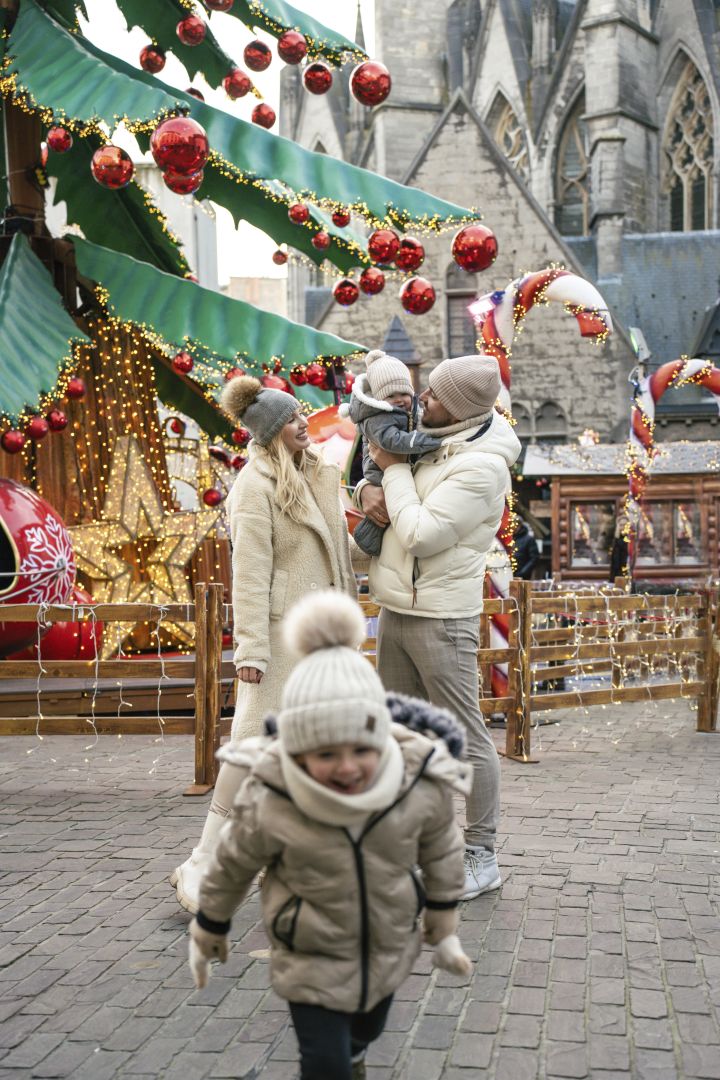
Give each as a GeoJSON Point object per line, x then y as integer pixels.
{"type": "Point", "coordinates": [243, 252]}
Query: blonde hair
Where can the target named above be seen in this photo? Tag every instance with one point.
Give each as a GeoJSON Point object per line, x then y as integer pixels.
{"type": "Point", "coordinates": [292, 473]}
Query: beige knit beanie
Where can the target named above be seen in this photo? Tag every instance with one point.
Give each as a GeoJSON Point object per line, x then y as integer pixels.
{"type": "Point", "coordinates": [333, 695]}
{"type": "Point", "coordinates": [467, 386]}
{"type": "Point", "coordinates": [387, 375]}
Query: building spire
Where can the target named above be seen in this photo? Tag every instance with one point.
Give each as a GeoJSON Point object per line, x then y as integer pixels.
{"type": "Point", "coordinates": [359, 34]}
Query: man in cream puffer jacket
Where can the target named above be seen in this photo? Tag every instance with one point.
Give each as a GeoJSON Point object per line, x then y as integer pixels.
{"type": "Point", "coordinates": [444, 513]}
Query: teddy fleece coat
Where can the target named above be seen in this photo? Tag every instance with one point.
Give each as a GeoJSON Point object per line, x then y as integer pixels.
{"type": "Point", "coordinates": [275, 562]}
{"type": "Point", "coordinates": [342, 912]}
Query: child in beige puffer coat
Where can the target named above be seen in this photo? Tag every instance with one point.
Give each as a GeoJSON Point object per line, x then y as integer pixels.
{"type": "Point", "coordinates": [352, 817]}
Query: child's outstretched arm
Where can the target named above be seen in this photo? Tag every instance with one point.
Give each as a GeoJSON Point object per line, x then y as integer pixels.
{"type": "Point", "coordinates": [393, 437]}
{"type": "Point", "coordinates": [440, 857]}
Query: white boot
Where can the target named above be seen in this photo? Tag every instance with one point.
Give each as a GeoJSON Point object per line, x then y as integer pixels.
{"type": "Point", "coordinates": [481, 872]}
{"type": "Point", "coordinates": [186, 878]}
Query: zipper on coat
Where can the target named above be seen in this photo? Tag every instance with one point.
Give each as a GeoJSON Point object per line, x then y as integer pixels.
{"type": "Point", "coordinates": [364, 922]}
{"type": "Point", "coordinates": [415, 574]}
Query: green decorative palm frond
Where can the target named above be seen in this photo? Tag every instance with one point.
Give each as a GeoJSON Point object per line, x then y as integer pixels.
{"type": "Point", "coordinates": [276, 17]}
{"type": "Point", "coordinates": [36, 332]}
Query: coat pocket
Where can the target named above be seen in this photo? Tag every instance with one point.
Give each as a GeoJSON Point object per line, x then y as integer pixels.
{"type": "Point", "coordinates": [285, 922]}
{"type": "Point", "coordinates": [278, 593]}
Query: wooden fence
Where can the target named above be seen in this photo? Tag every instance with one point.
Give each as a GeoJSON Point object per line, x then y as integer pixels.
{"type": "Point", "coordinates": [644, 648]}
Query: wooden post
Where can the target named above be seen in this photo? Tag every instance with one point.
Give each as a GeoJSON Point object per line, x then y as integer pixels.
{"type": "Point", "coordinates": [213, 676]}
{"type": "Point", "coordinates": [517, 738]}
{"type": "Point", "coordinates": [202, 784]}
{"type": "Point", "coordinates": [708, 700]}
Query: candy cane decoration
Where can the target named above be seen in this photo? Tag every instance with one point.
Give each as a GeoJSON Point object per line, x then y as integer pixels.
{"type": "Point", "coordinates": [498, 317]}
{"type": "Point", "coordinates": [641, 448]}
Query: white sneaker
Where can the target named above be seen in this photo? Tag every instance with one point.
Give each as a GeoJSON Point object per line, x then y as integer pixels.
{"type": "Point", "coordinates": [186, 878]}
{"type": "Point", "coordinates": [481, 872]}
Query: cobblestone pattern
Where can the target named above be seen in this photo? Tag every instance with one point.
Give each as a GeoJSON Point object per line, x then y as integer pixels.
{"type": "Point", "coordinates": [600, 957]}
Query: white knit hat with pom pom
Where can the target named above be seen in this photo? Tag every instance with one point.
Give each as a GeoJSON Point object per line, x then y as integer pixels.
{"type": "Point", "coordinates": [333, 694]}
{"type": "Point", "coordinates": [386, 375]}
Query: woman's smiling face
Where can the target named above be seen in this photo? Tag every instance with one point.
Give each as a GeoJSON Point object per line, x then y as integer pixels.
{"type": "Point", "coordinates": [295, 433]}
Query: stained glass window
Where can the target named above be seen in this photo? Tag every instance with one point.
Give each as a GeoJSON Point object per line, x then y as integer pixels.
{"type": "Point", "coordinates": [572, 176]}
{"type": "Point", "coordinates": [689, 148]}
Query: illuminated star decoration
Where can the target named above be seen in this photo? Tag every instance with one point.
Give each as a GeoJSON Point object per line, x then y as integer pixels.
{"type": "Point", "coordinates": [137, 552]}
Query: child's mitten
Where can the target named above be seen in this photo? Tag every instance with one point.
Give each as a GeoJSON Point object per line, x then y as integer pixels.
{"type": "Point", "coordinates": [204, 947]}
{"type": "Point", "coordinates": [441, 932]}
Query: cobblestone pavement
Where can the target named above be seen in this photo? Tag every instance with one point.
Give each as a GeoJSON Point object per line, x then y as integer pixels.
{"type": "Point", "coordinates": [600, 957]}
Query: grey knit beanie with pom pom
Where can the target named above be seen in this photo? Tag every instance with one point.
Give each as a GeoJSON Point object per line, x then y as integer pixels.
{"type": "Point", "coordinates": [262, 411]}
{"type": "Point", "coordinates": [333, 695]}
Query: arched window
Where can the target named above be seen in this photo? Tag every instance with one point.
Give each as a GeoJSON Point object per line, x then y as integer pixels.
{"type": "Point", "coordinates": [523, 422]}
{"type": "Point", "coordinates": [460, 291]}
{"type": "Point", "coordinates": [509, 135]}
{"type": "Point", "coordinates": [688, 147]}
{"type": "Point", "coordinates": [550, 423]}
{"type": "Point", "coordinates": [572, 175]}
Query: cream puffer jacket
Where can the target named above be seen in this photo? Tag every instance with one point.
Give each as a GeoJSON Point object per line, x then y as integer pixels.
{"type": "Point", "coordinates": [342, 912]}
{"type": "Point", "coordinates": [444, 513]}
{"type": "Point", "coordinates": [275, 560]}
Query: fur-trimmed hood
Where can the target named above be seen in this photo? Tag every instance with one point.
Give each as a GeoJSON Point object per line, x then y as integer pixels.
{"type": "Point", "coordinates": [363, 405]}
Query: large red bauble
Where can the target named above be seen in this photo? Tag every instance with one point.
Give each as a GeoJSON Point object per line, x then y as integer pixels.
{"type": "Point", "coordinates": [112, 167]}
{"type": "Point", "coordinates": [370, 82]}
{"type": "Point", "coordinates": [191, 30]}
{"type": "Point", "coordinates": [372, 281]}
{"type": "Point", "coordinates": [179, 143]}
{"type": "Point", "coordinates": [212, 497]}
{"type": "Point", "coordinates": [411, 254]}
{"type": "Point", "coordinates": [183, 362]}
{"type": "Point", "coordinates": [279, 257]}
{"type": "Point", "coordinates": [57, 420]}
{"type": "Point", "coordinates": [298, 376]}
{"type": "Point", "coordinates": [316, 374]}
{"type": "Point", "coordinates": [241, 436]}
{"type": "Point", "coordinates": [233, 373]}
{"type": "Point", "coordinates": [152, 59]}
{"type": "Point", "coordinates": [37, 428]}
{"type": "Point", "coordinates": [321, 240]}
{"type": "Point", "coordinates": [346, 292]}
{"type": "Point", "coordinates": [299, 213]}
{"type": "Point", "coordinates": [383, 245]}
{"type": "Point", "coordinates": [292, 47]}
{"type": "Point", "coordinates": [257, 56]}
{"type": "Point", "coordinates": [36, 559]}
{"type": "Point", "coordinates": [218, 5]}
{"type": "Point", "coordinates": [417, 295]}
{"type": "Point", "coordinates": [59, 139]}
{"type": "Point", "coordinates": [75, 388]}
{"type": "Point", "coordinates": [12, 441]}
{"type": "Point", "coordinates": [68, 640]}
{"type": "Point", "coordinates": [277, 382]}
{"type": "Point", "coordinates": [317, 78]}
{"type": "Point", "coordinates": [182, 184]}
{"type": "Point", "coordinates": [237, 84]}
{"type": "Point", "coordinates": [475, 248]}
{"type": "Point", "coordinates": [341, 218]}
{"type": "Point", "coordinates": [263, 115]}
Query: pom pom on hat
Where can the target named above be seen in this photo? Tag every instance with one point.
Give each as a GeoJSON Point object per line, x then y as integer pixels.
{"type": "Point", "coordinates": [374, 355]}
{"type": "Point", "coordinates": [238, 394]}
{"type": "Point", "coordinates": [324, 621]}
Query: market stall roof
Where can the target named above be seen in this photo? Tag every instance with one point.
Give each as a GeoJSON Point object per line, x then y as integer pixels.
{"type": "Point", "coordinates": [609, 459]}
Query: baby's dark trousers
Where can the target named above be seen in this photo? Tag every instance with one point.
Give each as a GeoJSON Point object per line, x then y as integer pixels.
{"type": "Point", "coordinates": [329, 1040]}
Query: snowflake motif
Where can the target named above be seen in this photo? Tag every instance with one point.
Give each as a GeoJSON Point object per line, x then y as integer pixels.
{"type": "Point", "coordinates": [50, 564]}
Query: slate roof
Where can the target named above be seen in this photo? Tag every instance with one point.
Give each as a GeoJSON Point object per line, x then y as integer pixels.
{"type": "Point", "coordinates": [398, 343]}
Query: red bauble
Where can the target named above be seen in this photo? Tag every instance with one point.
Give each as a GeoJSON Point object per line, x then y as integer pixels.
{"type": "Point", "coordinates": [383, 245]}
{"type": "Point", "coordinates": [218, 5]}
{"type": "Point", "coordinates": [346, 292]}
{"type": "Point", "coordinates": [191, 30]}
{"type": "Point", "coordinates": [417, 295]}
{"type": "Point", "coordinates": [257, 56]}
{"type": "Point", "coordinates": [411, 254]}
{"type": "Point", "coordinates": [279, 257]}
{"type": "Point", "coordinates": [241, 436]}
{"type": "Point", "coordinates": [298, 376]}
{"type": "Point", "coordinates": [341, 218]}
{"type": "Point", "coordinates": [182, 184]}
{"type": "Point", "coordinates": [177, 426]}
{"type": "Point", "coordinates": [212, 497]}
{"type": "Point", "coordinates": [237, 84]}
{"type": "Point", "coordinates": [59, 139]}
{"type": "Point", "coordinates": [68, 640]}
{"type": "Point", "coordinates": [183, 362]}
{"type": "Point", "coordinates": [321, 240]}
{"type": "Point", "coordinates": [263, 115]}
{"type": "Point", "coordinates": [75, 388]}
{"type": "Point", "coordinates": [474, 248]}
{"type": "Point", "coordinates": [317, 78]}
{"type": "Point", "coordinates": [316, 374]}
{"type": "Point", "coordinates": [292, 47]}
{"type": "Point", "coordinates": [57, 420]}
{"type": "Point", "coordinates": [179, 143]}
{"type": "Point", "coordinates": [370, 82]}
{"type": "Point", "coordinates": [238, 461]}
{"type": "Point", "coordinates": [152, 59]}
{"type": "Point", "coordinates": [112, 167]}
{"type": "Point", "coordinates": [37, 428]}
{"type": "Point", "coordinates": [277, 382]}
{"type": "Point", "coordinates": [195, 93]}
{"type": "Point", "coordinates": [12, 441]}
{"type": "Point", "coordinates": [233, 373]}
{"type": "Point", "coordinates": [299, 213]}
{"type": "Point", "coordinates": [372, 281]}
{"type": "Point", "coordinates": [349, 382]}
